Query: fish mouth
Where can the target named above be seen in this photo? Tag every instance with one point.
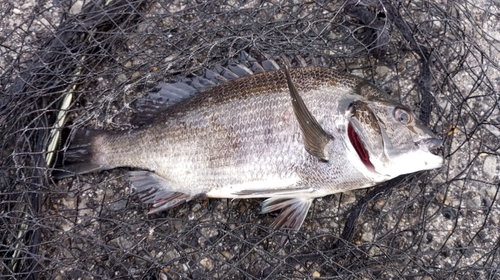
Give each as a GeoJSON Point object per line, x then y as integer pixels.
{"type": "Point", "coordinates": [431, 144]}
{"type": "Point", "coordinates": [359, 147]}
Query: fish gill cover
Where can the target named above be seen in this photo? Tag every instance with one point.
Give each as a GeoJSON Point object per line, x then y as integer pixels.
{"type": "Point", "coordinates": [82, 64]}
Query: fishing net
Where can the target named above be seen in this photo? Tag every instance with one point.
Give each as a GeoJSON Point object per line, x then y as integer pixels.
{"type": "Point", "coordinates": [82, 64]}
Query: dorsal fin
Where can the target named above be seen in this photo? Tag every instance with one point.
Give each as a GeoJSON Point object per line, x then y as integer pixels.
{"type": "Point", "coordinates": [168, 94]}
{"type": "Point", "coordinates": [239, 69]}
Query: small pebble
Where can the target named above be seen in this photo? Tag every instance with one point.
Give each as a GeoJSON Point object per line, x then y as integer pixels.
{"type": "Point", "coordinates": [449, 213]}
{"type": "Point", "coordinates": [207, 263]}
{"type": "Point", "coordinates": [382, 71]}
{"type": "Point", "coordinates": [490, 166]}
{"type": "Point", "coordinates": [474, 202]}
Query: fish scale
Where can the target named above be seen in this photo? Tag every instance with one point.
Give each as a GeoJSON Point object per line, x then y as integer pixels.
{"type": "Point", "coordinates": [288, 135]}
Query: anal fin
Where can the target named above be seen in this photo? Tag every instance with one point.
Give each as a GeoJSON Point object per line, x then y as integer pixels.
{"type": "Point", "coordinates": [151, 188]}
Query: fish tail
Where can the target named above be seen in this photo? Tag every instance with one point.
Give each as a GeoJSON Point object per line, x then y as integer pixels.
{"type": "Point", "coordinates": [81, 156]}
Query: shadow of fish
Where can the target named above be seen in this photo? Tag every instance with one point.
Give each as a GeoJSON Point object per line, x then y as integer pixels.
{"type": "Point", "coordinates": [253, 129]}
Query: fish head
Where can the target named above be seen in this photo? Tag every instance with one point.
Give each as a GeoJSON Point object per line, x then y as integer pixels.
{"type": "Point", "coordinates": [389, 140]}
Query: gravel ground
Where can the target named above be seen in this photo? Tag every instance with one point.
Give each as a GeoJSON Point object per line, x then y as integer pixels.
{"type": "Point", "coordinates": [432, 225]}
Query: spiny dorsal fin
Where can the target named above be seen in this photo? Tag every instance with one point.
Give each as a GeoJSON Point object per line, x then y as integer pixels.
{"type": "Point", "coordinates": [167, 94]}
{"type": "Point", "coordinates": [315, 138]}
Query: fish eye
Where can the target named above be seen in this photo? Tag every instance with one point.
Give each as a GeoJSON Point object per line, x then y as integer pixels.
{"type": "Point", "coordinates": [402, 115]}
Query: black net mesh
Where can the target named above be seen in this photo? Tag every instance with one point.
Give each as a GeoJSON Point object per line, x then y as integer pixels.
{"type": "Point", "coordinates": [91, 60]}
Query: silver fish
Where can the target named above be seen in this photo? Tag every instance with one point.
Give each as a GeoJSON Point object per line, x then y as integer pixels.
{"type": "Point", "coordinates": [288, 135]}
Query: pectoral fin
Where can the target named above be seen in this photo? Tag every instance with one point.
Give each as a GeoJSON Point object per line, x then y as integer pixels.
{"type": "Point", "coordinates": [294, 211]}
{"type": "Point", "coordinates": [272, 192]}
{"type": "Point", "coordinates": [315, 138]}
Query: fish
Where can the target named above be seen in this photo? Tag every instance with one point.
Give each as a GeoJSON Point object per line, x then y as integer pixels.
{"type": "Point", "coordinates": [257, 129]}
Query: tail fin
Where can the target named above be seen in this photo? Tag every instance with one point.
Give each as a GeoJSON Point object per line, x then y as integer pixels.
{"type": "Point", "coordinates": [79, 157]}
